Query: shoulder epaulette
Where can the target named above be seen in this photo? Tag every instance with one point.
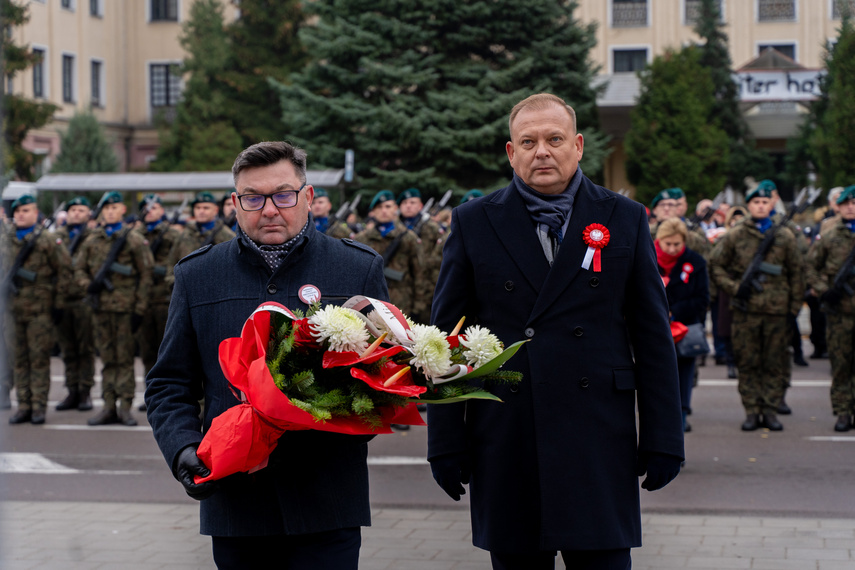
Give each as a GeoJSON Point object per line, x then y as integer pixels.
{"type": "Point", "coordinates": [358, 245]}
{"type": "Point", "coordinates": [196, 253]}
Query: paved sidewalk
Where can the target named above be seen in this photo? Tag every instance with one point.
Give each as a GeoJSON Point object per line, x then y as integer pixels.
{"type": "Point", "coordinates": [131, 536]}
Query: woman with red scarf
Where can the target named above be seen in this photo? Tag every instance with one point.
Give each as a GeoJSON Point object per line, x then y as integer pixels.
{"type": "Point", "coordinates": [684, 274]}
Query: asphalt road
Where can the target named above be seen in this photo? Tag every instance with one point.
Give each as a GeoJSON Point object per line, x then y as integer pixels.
{"type": "Point", "coordinates": [806, 470]}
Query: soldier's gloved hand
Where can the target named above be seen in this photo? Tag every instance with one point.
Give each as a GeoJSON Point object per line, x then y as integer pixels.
{"type": "Point", "coordinates": [136, 321]}
{"type": "Point", "coordinates": [451, 472]}
{"type": "Point", "coordinates": [831, 297]}
{"type": "Point", "coordinates": [56, 315]}
{"type": "Point", "coordinates": [744, 292]}
{"type": "Point", "coordinates": [93, 288]}
{"type": "Point", "coordinates": [187, 466]}
{"type": "Point", "coordinates": [661, 469]}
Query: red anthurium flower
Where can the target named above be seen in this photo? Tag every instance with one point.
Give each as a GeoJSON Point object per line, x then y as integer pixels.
{"type": "Point", "coordinates": [349, 358]}
{"type": "Point", "coordinates": [403, 387]}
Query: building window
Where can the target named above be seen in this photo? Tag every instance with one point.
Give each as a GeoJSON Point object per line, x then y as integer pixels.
{"type": "Point", "coordinates": [788, 50]}
{"type": "Point", "coordinates": [628, 60]}
{"type": "Point", "coordinates": [693, 10]}
{"type": "Point", "coordinates": [165, 85]}
{"type": "Point", "coordinates": [97, 83]}
{"type": "Point", "coordinates": [10, 85]}
{"type": "Point", "coordinates": [38, 73]}
{"type": "Point", "coordinates": [68, 79]}
{"type": "Point", "coordinates": [67, 4]}
{"type": "Point", "coordinates": [837, 5]}
{"type": "Point", "coordinates": [776, 10]}
{"type": "Point", "coordinates": [164, 10]}
{"type": "Point", "coordinates": [95, 8]}
{"type": "Point", "coordinates": [629, 13]}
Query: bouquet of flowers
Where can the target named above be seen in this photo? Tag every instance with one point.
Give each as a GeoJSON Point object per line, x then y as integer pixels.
{"type": "Point", "coordinates": [354, 369]}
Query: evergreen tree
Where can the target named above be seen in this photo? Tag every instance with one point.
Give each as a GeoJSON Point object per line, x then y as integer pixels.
{"type": "Point", "coordinates": [84, 148]}
{"type": "Point", "coordinates": [265, 46]}
{"type": "Point", "coordinates": [20, 115]}
{"type": "Point", "coordinates": [833, 116]}
{"type": "Point", "coordinates": [673, 141]}
{"type": "Point", "coordinates": [203, 136]}
{"type": "Point", "coordinates": [745, 159]}
{"type": "Point", "coordinates": [421, 90]}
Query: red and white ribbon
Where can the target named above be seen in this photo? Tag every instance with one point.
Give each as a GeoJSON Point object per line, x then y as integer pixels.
{"type": "Point", "coordinates": [687, 270]}
{"type": "Point", "coordinates": [596, 237]}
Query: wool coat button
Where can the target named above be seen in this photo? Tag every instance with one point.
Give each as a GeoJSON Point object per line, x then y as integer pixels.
{"type": "Point", "coordinates": [594, 282]}
{"type": "Point", "coordinates": [514, 388]}
{"type": "Point", "coordinates": [584, 383]}
{"type": "Point", "coordinates": [271, 289]}
{"type": "Point", "coordinates": [509, 285]}
{"type": "Point", "coordinates": [529, 332]}
{"type": "Point", "coordinates": [578, 331]}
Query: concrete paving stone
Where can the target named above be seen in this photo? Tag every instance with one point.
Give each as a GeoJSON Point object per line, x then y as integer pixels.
{"type": "Point", "coordinates": [367, 552]}
{"type": "Point", "coordinates": [755, 551]}
{"type": "Point", "coordinates": [450, 545]}
{"type": "Point", "coordinates": [406, 554]}
{"type": "Point", "coordinates": [207, 566]}
{"type": "Point", "coordinates": [790, 522]}
{"type": "Point", "coordinates": [707, 530]}
{"type": "Point", "coordinates": [199, 558]}
{"type": "Point", "coordinates": [818, 554]}
{"type": "Point", "coordinates": [471, 554]}
{"type": "Point", "coordinates": [778, 564]}
{"type": "Point", "coordinates": [403, 514]}
{"type": "Point", "coordinates": [836, 533]}
{"type": "Point", "coordinates": [419, 565]}
{"type": "Point", "coordinates": [763, 531]}
{"type": "Point", "coordinates": [461, 526]}
{"type": "Point", "coordinates": [423, 523]}
{"type": "Point", "coordinates": [399, 543]}
{"type": "Point", "coordinates": [734, 540]}
{"type": "Point", "coordinates": [847, 543]}
{"type": "Point", "coordinates": [126, 544]}
{"type": "Point", "coordinates": [659, 561]}
{"type": "Point", "coordinates": [691, 550]}
{"type": "Point", "coordinates": [837, 523]}
{"type": "Point", "coordinates": [676, 520]}
{"type": "Point", "coordinates": [98, 555]}
{"type": "Point", "coordinates": [66, 565]}
{"type": "Point", "coordinates": [107, 528]}
{"type": "Point", "coordinates": [794, 542]}
{"type": "Point", "coordinates": [383, 533]}
{"type": "Point", "coordinates": [378, 522]}
{"type": "Point", "coordinates": [717, 562]}
{"type": "Point", "coordinates": [665, 539]}
{"type": "Point", "coordinates": [436, 534]}
{"type": "Point", "coordinates": [652, 530]}
{"type": "Point", "coordinates": [733, 521]}
{"type": "Point", "coordinates": [476, 566]}
{"type": "Point", "coordinates": [834, 565]}
{"type": "Point", "coordinates": [179, 545]}
{"type": "Point", "coordinates": [375, 564]}
{"type": "Point", "coordinates": [19, 564]}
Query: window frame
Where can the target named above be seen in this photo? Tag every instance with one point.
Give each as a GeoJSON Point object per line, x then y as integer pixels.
{"type": "Point", "coordinates": [627, 48]}
{"type": "Point", "coordinates": [684, 13]}
{"type": "Point", "coordinates": [150, 11]}
{"type": "Point", "coordinates": [101, 87]}
{"type": "Point", "coordinates": [150, 66]}
{"type": "Point", "coordinates": [611, 16]}
{"type": "Point", "coordinates": [759, 21]}
{"type": "Point", "coordinates": [69, 97]}
{"type": "Point", "coordinates": [45, 72]}
{"type": "Point", "coordinates": [70, 7]}
{"type": "Point", "coordinates": [778, 43]}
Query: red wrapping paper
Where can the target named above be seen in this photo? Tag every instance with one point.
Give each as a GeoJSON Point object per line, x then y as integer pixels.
{"type": "Point", "coordinates": [243, 437]}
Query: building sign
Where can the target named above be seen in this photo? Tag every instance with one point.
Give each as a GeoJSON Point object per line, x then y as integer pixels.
{"type": "Point", "coordinates": [779, 85]}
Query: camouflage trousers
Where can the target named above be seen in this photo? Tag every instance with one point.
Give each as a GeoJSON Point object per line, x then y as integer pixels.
{"type": "Point", "coordinates": [76, 343]}
{"type": "Point", "coordinates": [759, 340]}
{"type": "Point", "coordinates": [115, 344]}
{"type": "Point", "coordinates": [151, 332]}
{"type": "Point", "coordinates": [7, 350]}
{"type": "Point", "coordinates": [840, 333]}
{"type": "Point", "coordinates": [34, 339]}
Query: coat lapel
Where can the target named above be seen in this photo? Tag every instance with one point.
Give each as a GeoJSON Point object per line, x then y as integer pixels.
{"type": "Point", "coordinates": [592, 205]}
{"type": "Point", "coordinates": [512, 223]}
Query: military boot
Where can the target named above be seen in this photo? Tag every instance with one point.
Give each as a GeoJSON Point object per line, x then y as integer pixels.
{"type": "Point", "coordinates": [70, 402]}
{"type": "Point", "coordinates": [844, 423]}
{"type": "Point", "coordinates": [84, 403]}
{"type": "Point", "coordinates": [106, 416]}
{"type": "Point", "coordinates": [751, 423]}
{"type": "Point", "coordinates": [770, 421]}
{"type": "Point", "coordinates": [21, 416]}
{"type": "Point", "coordinates": [784, 409]}
{"type": "Point", "coordinates": [125, 417]}
{"type": "Point", "coordinates": [38, 416]}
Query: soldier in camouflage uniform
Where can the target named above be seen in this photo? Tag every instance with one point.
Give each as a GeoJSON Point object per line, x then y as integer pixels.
{"type": "Point", "coordinates": [405, 270]}
{"type": "Point", "coordinates": [825, 260]}
{"type": "Point", "coordinates": [161, 237]}
{"type": "Point", "coordinates": [75, 330]}
{"type": "Point", "coordinates": [760, 331]}
{"type": "Point", "coordinates": [207, 229]}
{"type": "Point", "coordinates": [37, 300]}
{"type": "Point", "coordinates": [410, 205]}
{"type": "Point", "coordinates": [118, 313]}
{"type": "Point", "coordinates": [321, 208]}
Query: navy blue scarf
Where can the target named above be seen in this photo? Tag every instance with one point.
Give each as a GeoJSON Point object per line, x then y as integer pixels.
{"type": "Point", "coordinates": [551, 210]}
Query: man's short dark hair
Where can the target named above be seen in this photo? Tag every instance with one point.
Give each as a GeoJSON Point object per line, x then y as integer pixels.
{"type": "Point", "coordinates": [270, 152]}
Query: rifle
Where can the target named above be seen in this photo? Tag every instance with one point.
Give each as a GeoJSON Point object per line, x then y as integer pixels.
{"type": "Point", "coordinates": [424, 217]}
{"type": "Point", "coordinates": [755, 274]}
{"type": "Point", "coordinates": [443, 202]}
{"type": "Point", "coordinates": [99, 207]}
{"type": "Point", "coordinates": [209, 239]}
{"type": "Point", "coordinates": [340, 214]}
{"type": "Point", "coordinates": [17, 270]}
{"type": "Point", "coordinates": [840, 285]}
{"type": "Point", "coordinates": [155, 245]}
{"type": "Point", "coordinates": [101, 280]}
{"type": "Point", "coordinates": [707, 213]}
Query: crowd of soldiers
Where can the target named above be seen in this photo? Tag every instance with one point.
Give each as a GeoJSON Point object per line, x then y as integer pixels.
{"type": "Point", "coordinates": [102, 284]}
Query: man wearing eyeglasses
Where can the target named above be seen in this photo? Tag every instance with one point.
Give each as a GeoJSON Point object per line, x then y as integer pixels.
{"type": "Point", "coordinates": [304, 509]}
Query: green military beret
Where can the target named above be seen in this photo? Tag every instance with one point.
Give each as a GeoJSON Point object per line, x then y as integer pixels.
{"type": "Point", "coordinates": [663, 195]}
{"type": "Point", "coordinates": [763, 190]}
{"type": "Point", "coordinates": [111, 198]}
{"type": "Point", "coordinates": [471, 195]}
{"type": "Point", "coordinates": [78, 201]}
{"type": "Point", "coordinates": [203, 198]}
{"type": "Point", "coordinates": [380, 197]}
{"type": "Point", "coordinates": [847, 194]}
{"type": "Point", "coordinates": [676, 193]}
{"type": "Point", "coordinates": [321, 193]}
{"type": "Point", "coordinates": [409, 193]}
{"type": "Point", "coordinates": [148, 199]}
{"type": "Point", "coordinates": [23, 201]}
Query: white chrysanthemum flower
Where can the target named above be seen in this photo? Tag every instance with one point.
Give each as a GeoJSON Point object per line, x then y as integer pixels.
{"type": "Point", "coordinates": [341, 327]}
{"type": "Point", "coordinates": [431, 352]}
{"type": "Point", "coordinates": [482, 346]}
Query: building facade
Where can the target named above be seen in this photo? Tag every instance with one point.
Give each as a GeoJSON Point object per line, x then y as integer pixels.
{"type": "Point", "coordinates": [117, 57]}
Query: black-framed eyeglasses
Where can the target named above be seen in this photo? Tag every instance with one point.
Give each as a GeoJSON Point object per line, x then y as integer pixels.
{"type": "Point", "coordinates": [255, 202]}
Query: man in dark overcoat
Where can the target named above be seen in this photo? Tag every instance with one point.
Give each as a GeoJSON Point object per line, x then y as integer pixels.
{"type": "Point", "coordinates": [569, 266]}
{"type": "Point", "coordinates": [304, 510]}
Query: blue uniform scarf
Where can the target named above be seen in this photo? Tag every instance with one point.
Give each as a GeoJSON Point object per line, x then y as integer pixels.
{"type": "Point", "coordinates": [21, 233]}
{"type": "Point", "coordinates": [850, 224]}
{"type": "Point", "coordinates": [763, 224]}
{"type": "Point", "coordinates": [112, 228]}
{"type": "Point", "coordinates": [386, 228]}
{"type": "Point", "coordinates": [322, 223]}
{"type": "Point", "coordinates": [206, 227]}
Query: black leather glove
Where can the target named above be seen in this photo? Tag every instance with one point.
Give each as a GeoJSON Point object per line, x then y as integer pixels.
{"type": "Point", "coordinates": [661, 469]}
{"type": "Point", "coordinates": [744, 292]}
{"type": "Point", "coordinates": [831, 297]}
{"type": "Point", "coordinates": [56, 315]}
{"type": "Point", "coordinates": [136, 321]}
{"type": "Point", "coordinates": [93, 288]}
{"type": "Point", "coordinates": [451, 472]}
{"type": "Point", "coordinates": [187, 466]}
